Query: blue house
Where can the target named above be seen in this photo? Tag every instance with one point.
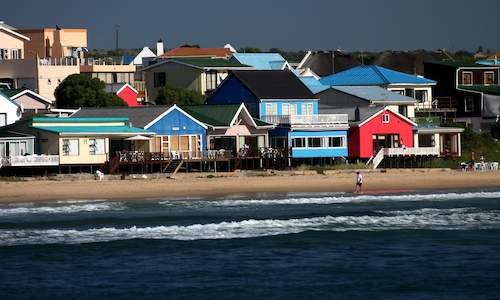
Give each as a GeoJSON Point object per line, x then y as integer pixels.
{"type": "Point", "coordinates": [279, 97]}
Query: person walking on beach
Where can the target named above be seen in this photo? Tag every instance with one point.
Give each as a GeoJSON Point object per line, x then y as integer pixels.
{"type": "Point", "coordinates": [359, 183]}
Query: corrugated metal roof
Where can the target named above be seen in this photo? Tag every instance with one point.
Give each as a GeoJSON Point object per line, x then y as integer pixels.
{"type": "Point", "coordinates": [138, 116]}
{"type": "Point", "coordinates": [261, 61]}
{"type": "Point", "coordinates": [313, 84]}
{"type": "Point", "coordinates": [202, 62]}
{"type": "Point", "coordinates": [374, 94]}
{"type": "Point", "coordinates": [373, 75]}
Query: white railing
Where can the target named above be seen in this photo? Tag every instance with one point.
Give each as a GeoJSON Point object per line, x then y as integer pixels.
{"type": "Point", "coordinates": [75, 61]}
{"type": "Point", "coordinates": [319, 119]}
{"type": "Point", "coordinates": [32, 160]}
{"type": "Point", "coordinates": [419, 151]}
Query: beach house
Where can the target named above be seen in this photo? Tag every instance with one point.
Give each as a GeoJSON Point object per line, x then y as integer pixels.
{"type": "Point", "coordinates": [125, 91]}
{"type": "Point", "coordinates": [413, 86]}
{"type": "Point", "coordinates": [471, 89]}
{"type": "Point", "coordinates": [279, 97]}
{"type": "Point", "coordinates": [29, 101]}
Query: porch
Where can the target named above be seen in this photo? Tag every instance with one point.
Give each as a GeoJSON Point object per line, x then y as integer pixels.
{"type": "Point", "coordinates": [402, 154]}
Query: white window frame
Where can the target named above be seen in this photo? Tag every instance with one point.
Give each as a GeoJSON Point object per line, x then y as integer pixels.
{"type": "Point", "coordinates": [342, 141]}
{"type": "Point", "coordinates": [94, 148]}
{"type": "Point", "coordinates": [399, 91]}
{"type": "Point", "coordinates": [302, 138]}
{"type": "Point", "coordinates": [66, 148]}
{"type": "Point", "coordinates": [465, 103]}
{"type": "Point", "coordinates": [3, 117]}
{"type": "Point", "coordinates": [285, 109]}
{"type": "Point", "coordinates": [307, 109]}
{"type": "Point", "coordinates": [274, 107]}
{"type": "Point", "coordinates": [386, 118]}
{"type": "Point", "coordinates": [471, 77]}
{"type": "Point", "coordinates": [426, 95]}
{"type": "Point", "coordinates": [492, 73]}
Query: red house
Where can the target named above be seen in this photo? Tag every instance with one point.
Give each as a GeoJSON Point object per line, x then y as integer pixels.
{"type": "Point", "coordinates": [376, 128]}
{"type": "Point", "coordinates": [125, 91]}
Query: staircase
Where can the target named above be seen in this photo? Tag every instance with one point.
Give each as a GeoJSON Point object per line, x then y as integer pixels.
{"type": "Point", "coordinates": [173, 166]}
{"type": "Point", "coordinates": [377, 159]}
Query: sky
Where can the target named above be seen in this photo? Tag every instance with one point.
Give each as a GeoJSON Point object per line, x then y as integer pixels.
{"type": "Point", "coordinates": [352, 25]}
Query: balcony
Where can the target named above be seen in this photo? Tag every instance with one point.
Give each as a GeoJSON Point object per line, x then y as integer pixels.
{"type": "Point", "coordinates": [440, 104]}
{"type": "Point", "coordinates": [30, 161]}
{"type": "Point", "coordinates": [333, 121]}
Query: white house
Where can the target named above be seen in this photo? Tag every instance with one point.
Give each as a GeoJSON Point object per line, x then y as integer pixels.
{"type": "Point", "coordinates": [10, 112]}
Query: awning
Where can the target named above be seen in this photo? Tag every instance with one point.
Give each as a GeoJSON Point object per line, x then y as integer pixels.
{"type": "Point", "coordinates": [138, 138]}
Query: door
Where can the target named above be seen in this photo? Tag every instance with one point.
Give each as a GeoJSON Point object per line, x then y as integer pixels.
{"type": "Point", "coordinates": [384, 141]}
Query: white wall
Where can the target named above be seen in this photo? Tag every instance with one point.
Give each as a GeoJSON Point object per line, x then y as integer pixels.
{"type": "Point", "coordinates": [12, 111]}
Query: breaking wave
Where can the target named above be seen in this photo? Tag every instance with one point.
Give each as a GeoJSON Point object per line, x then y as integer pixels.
{"type": "Point", "coordinates": [430, 219]}
{"type": "Point", "coordinates": [60, 209]}
{"type": "Point", "coordinates": [351, 199]}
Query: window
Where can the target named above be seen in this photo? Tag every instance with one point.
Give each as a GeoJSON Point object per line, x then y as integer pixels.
{"type": "Point", "coordinates": [3, 150]}
{"type": "Point", "coordinates": [410, 92]}
{"type": "Point", "coordinates": [403, 109]}
{"type": "Point", "coordinates": [386, 118]}
{"type": "Point", "coordinates": [467, 78]}
{"type": "Point", "coordinates": [336, 142]}
{"type": "Point", "coordinates": [421, 95]}
{"type": "Point", "coordinates": [489, 78]}
{"type": "Point", "coordinates": [271, 109]}
{"type": "Point", "coordinates": [299, 142]}
{"type": "Point", "coordinates": [285, 109]}
{"type": "Point", "coordinates": [4, 54]}
{"type": "Point", "coordinates": [469, 103]}
{"type": "Point", "coordinates": [211, 80]}
{"type": "Point", "coordinates": [426, 140]}
{"type": "Point", "coordinates": [160, 79]}
{"type": "Point", "coordinates": [401, 92]}
{"type": "Point", "coordinates": [49, 81]}
{"type": "Point", "coordinates": [16, 54]}
{"type": "Point", "coordinates": [3, 119]}
{"type": "Point", "coordinates": [307, 109]}
{"type": "Point", "coordinates": [96, 147]}
{"type": "Point", "coordinates": [17, 148]}
{"type": "Point", "coordinates": [71, 147]}
{"type": "Point", "coordinates": [314, 142]}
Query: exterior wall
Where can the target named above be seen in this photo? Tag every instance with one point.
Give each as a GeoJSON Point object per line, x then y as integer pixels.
{"type": "Point", "coordinates": [129, 96]}
{"type": "Point", "coordinates": [427, 103]}
{"type": "Point", "coordinates": [176, 123]}
{"type": "Point", "coordinates": [203, 80]}
{"type": "Point", "coordinates": [12, 111]}
{"type": "Point", "coordinates": [11, 42]}
{"type": "Point", "coordinates": [84, 156]}
{"type": "Point", "coordinates": [318, 152]}
{"type": "Point", "coordinates": [59, 40]}
{"type": "Point", "coordinates": [231, 91]}
{"type": "Point", "coordinates": [47, 143]}
{"type": "Point", "coordinates": [241, 131]}
{"type": "Point", "coordinates": [410, 110]}
{"type": "Point", "coordinates": [477, 75]}
{"type": "Point", "coordinates": [28, 102]}
{"type": "Point", "coordinates": [360, 139]}
{"type": "Point", "coordinates": [49, 78]}
{"type": "Point", "coordinates": [176, 75]}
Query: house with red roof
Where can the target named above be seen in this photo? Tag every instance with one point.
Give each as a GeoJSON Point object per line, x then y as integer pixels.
{"type": "Point", "coordinates": [194, 51]}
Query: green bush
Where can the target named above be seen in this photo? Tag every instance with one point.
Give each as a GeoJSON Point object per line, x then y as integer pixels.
{"type": "Point", "coordinates": [169, 95]}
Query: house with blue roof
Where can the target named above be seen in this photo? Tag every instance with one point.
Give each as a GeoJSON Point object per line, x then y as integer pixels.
{"type": "Point", "coordinates": [413, 86]}
{"type": "Point", "coordinates": [279, 97]}
{"type": "Point", "coordinates": [263, 61]}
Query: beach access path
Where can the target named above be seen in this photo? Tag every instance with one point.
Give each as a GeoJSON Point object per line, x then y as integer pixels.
{"type": "Point", "coordinates": [237, 183]}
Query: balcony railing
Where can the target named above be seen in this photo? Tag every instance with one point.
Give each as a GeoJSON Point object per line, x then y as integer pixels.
{"type": "Point", "coordinates": [306, 121]}
{"type": "Point", "coordinates": [30, 161]}
{"type": "Point", "coordinates": [75, 61]}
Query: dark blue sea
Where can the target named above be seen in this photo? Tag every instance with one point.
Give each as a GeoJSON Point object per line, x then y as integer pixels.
{"type": "Point", "coordinates": [425, 245]}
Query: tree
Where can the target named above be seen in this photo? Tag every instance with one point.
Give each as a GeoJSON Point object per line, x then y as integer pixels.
{"type": "Point", "coordinates": [80, 90]}
{"type": "Point", "coordinates": [250, 50]}
{"type": "Point", "coordinates": [168, 95]}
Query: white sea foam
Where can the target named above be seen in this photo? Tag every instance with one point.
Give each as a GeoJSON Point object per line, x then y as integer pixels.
{"type": "Point", "coordinates": [338, 199]}
{"type": "Point", "coordinates": [433, 219]}
{"type": "Point", "coordinates": [60, 209]}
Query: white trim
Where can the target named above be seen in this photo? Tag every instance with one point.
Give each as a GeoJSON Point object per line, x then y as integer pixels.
{"type": "Point", "coordinates": [484, 77]}
{"type": "Point", "coordinates": [383, 111]}
{"type": "Point", "coordinates": [170, 110]}
{"type": "Point", "coordinates": [124, 86]}
{"type": "Point", "coordinates": [304, 59]}
{"type": "Point", "coordinates": [286, 100]}
{"type": "Point", "coordinates": [31, 93]}
{"type": "Point", "coordinates": [15, 33]}
{"type": "Point", "coordinates": [242, 107]}
{"type": "Point", "coordinates": [471, 77]}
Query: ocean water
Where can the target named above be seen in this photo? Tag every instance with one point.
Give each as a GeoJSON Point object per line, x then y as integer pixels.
{"type": "Point", "coordinates": [425, 245]}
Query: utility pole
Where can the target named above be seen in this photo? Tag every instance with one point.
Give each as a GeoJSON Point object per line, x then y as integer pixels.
{"type": "Point", "coordinates": [117, 32]}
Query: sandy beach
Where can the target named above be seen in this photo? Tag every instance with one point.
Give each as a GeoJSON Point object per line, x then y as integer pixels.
{"type": "Point", "coordinates": [190, 185]}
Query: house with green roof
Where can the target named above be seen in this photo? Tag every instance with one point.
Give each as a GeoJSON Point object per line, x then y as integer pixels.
{"type": "Point", "coordinates": [201, 74]}
{"type": "Point", "coordinates": [471, 89]}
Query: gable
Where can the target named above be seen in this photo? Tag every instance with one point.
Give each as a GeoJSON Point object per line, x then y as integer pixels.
{"type": "Point", "coordinates": [175, 122]}
{"type": "Point", "coordinates": [232, 91]}
{"type": "Point", "coordinates": [29, 101]}
{"type": "Point", "coordinates": [395, 119]}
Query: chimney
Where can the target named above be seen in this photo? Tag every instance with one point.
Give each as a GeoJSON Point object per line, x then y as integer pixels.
{"type": "Point", "coordinates": [159, 48]}
{"type": "Point", "coordinates": [357, 116]}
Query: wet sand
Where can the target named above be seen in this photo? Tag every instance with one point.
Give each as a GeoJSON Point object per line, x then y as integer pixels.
{"type": "Point", "coordinates": [200, 185]}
